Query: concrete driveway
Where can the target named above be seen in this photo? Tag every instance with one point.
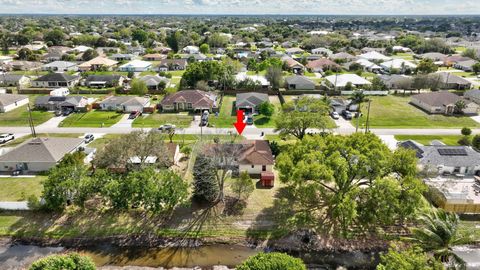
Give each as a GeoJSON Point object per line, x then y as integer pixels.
{"type": "Point", "coordinates": [52, 122]}
{"type": "Point", "coordinates": [124, 122]}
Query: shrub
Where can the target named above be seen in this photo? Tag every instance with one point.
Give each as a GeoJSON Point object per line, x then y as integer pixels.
{"type": "Point", "coordinates": [465, 140]}
{"type": "Point", "coordinates": [476, 142]}
{"type": "Point", "coordinates": [61, 262]}
{"type": "Point", "coordinates": [272, 261]}
{"type": "Point", "coordinates": [466, 131]}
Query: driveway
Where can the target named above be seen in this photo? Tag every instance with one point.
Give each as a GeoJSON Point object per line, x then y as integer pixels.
{"type": "Point", "coordinates": [344, 126]}
{"type": "Point", "coordinates": [124, 122]}
{"type": "Point", "coordinates": [52, 122]}
{"type": "Point", "coordinates": [476, 118]}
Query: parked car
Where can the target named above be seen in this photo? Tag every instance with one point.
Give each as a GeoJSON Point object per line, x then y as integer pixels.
{"type": "Point", "coordinates": [6, 137]}
{"type": "Point", "coordinates": [134, 114]}
{"type": "Point", "coordinates": [67, 112]}
{"type": "Point", "coordinates": [166, 127]}
{"type": "Point", "coordinates": [58, 113]}
{"type": "Point", "coordinates": [249, 120]}
{"type": "Point", "coordinates": [347, 115]}
{"type": "Point", "coordinates": [88, 138]}
{"type": "Point", "coordinates": [204, 119]}
{"type": "Point", "coordinates": [335, 115]}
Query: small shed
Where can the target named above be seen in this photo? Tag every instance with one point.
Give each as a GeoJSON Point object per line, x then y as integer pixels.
{"type": "Point", "coordinates": [267, 179]}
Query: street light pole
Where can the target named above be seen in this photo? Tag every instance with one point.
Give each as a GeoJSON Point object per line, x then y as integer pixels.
{"type": "Point", "coordinates": [367, 127]}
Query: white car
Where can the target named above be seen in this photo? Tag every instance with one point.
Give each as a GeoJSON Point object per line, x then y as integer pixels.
{"type": "Point", "coordinates": [166, 127]}
{"type": "Point", "coordinates": [335, 115]}
{"type": "Point", "coordinates": [6, 137]}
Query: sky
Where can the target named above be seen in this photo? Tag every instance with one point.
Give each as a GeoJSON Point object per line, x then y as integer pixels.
{"type": "Point", "coordinates": [293, 7]}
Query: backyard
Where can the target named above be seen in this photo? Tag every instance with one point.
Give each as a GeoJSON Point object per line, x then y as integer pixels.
{"type": "Point", "coordinates": [92, 119]}
{"type": "Point", "coordinates": [396, 112]}
{"type": "Point", "coordinates": [154, 120]}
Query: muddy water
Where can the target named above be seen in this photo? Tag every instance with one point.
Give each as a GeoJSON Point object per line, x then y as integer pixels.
{"type": "Point", "coordinates": [204, 256]}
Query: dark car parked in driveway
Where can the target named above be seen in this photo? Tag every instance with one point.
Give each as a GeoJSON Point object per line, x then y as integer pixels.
{"type": "Point", "coordinates": [134, 114]}
{"type": "Point", "coordinates": [347, 115]}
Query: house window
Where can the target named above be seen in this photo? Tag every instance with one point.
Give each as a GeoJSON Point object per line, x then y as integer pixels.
{"type": "Point", "coordinates": [52, 84]}
{"type": "Point", "coordinates": [264, 168]}
{"type": "Point", "coordinates": [456, 170]}
{"type": "Point", "coordinates": [189, 105]}
{"type": "Point", "coordinates": [253, 166]}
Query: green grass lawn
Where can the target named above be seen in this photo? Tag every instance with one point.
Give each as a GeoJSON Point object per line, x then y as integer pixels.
{"type": "Point", "coordinates": [227, 116]}
{"type": "Point", "coordinates": [396, 112]}
{"type": "Point", "coordinates": [176, 72]}
{"type": "Point", "coordinates": [154, 120]}
{"type": "Point", "coordinates": [19, 117]}
{"type": "Point", "coordinates": [262, 72]}
{"type": "Point", "coordinates": [91, 119]}
{"type": "Point", "coordinates": [426, 139]}
{"type": "Point", "coordinates": [405, 56]}
{"type": "Point", "coordinates": [19, 189]}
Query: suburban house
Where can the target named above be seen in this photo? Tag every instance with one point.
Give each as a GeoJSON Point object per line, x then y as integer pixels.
{"type": "Point", "coordinates": [11, 79]}
{"type": "Point", "coordinates": [460, 196]}
{"type": "Point", "coordinates": [367, 65]}
{"type": "Point", "coordinates": [97, 63]}
{"type": "Point", "coordinates": [465, 65]}
{"type": "Point", "coordinates": [396, 81]}
{"type": "Point", "coordinates": [22, 65]}
{"type": "Point", "coordinates": [291, 51]}
{"type": "Point", "coordinates": [434, 56]}
{"type": "Point", "coordinates": [299, 83]}
{"type": "Point", "coordinates": [102, 81]}
{"type": "Point", "coordinates": [342, 56]}
{"type": "Point", "coordinates": [374, 56]}
{"type": "Point", "coordinates": [454, 59]}
{"type": "Point", "coordinates": [153, 81]}
{"type": "Point", "coordinates": [172, 64]}
{"type": "Point", "coordinates": [294, 66]}
{"type": "Point", "coordinates": [61, 103]}
{"type": "Point", "coordinates": [154, 57]}
{"type": "Point", "coordinates": [191, 50]}
{"type": "Point", "coordinates": [447, 80]}
{"type": "Point", "coordinates": [9, 102]}
{"type": "Point", "coordinates": [53, 55]}
{"type": "Point", "coordinates": [257, 159]}
{"type": "Point", "coordinates": [473, 95]}
{"type": "Point", "coordinates": [442, 102]}
{"type": "Point", "coordinates": [170, 158]}
{"type": "Point", "coordinates": [322, 51]}
{"type": "Point", "coordinates": [340, 81]}
{"type": "Point", "coordinates": [55, 80]}
{"type": "Point", "coordinates": [398, 64]}
{"type": "Point", "coordinates": [189, 100]}
{"type": "Point", "coordinates": [136, 66]}
{"type": "Point", "coordinates": [122, 57]}
{"type": "Point", "coordinates": [39, 154]}
{"type": "Point", "coordinates": [124, 104]}
{"type": "Point", "coordinates": [60, 66]}
{"type": "Point", "coordinates": [444, 159]}
{"type": "Point", "coordinates": [323, 64]}
{"type": "Point", "coordinates": [249, 102]}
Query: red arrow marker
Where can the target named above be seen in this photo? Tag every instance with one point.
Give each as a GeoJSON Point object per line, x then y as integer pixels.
{"type": "Point", "coordinates": [240, 125]}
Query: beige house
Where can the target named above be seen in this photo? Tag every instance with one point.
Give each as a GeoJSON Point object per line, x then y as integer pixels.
{"type": "Point", "coordinates": [97, 63]}
{"type": "Point", "coordinates": [442, 102]}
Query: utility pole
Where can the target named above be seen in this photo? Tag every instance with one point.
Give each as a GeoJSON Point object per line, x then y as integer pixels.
{"type": "Point", "coordinates": [367, 127]}
{"type": "Point", "coordinates": [30, 121]}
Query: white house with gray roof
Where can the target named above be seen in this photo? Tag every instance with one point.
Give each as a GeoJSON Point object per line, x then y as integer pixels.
{"type": "Point", "coordinates": [473, 95]}
{"type": "Point", "coordinates": [60, 66]}
{"type": "Point", "coordinates": [38, 154]}
{"type": "Point", "coordinates": [299, 83]}
{"type": "Point", "coordinates": [10, 102]}
{"type": "Point", "coordinates": [124, 103]}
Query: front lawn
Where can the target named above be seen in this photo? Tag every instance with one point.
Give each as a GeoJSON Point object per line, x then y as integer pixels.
{"type": "Point", "coordinates": [92, 119]}
{"type": "Point", "coordinates": [227, 115]}
{"type": "Point", "coordinates": [426, 139]}
{"type": "Point", "coordinates": [19, 117]}
{"type": "Point", "coordinates": [396, 112]}
{"type": "Point", "coordinates": [19, 189]}
{"type": "Point", "coordinates": [154, 120]}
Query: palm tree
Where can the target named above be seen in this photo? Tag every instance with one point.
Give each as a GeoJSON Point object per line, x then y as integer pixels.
{"type": "Point", "coordinates": [438, 235]}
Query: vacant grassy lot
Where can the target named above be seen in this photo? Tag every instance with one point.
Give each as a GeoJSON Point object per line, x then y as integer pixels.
{"type": "Point", "coordinates": [396, 112]}
{"type": "Point", "coordinates": [426, 139]}
{"type": "Point", "coordinates": [19, 189]}
{"type": "Point", "coordinates": [154, 120]}
{"type": "Point", "coordinates": [91, 119]}
{"type": "Point", "coordinates": [227, 115]}
{"type": "Point", "coordinates": [19, 116]}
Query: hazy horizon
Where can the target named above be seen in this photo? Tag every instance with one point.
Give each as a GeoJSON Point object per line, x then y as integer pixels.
{"type": "Point", "coordinates": [241, 7]}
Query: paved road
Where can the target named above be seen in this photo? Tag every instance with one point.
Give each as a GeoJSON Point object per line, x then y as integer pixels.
{"type": "Point", "coordinates": [249, 130]}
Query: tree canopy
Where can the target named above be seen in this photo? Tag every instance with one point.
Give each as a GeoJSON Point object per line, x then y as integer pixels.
{"type": "Point", "coordinates": [272, 261]}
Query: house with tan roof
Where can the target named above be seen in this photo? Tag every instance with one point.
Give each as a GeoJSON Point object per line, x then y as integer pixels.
{"type": "Point", "coordinates": [256, 157]}
{"type": "Point", "coordinates": [323, 64]}
{"type": "Point", "coordinates": [189, 100]}
{"type": "Point", "coordinates": [97, 63]}
{"type": "Point", "coordinates": [442, 102]}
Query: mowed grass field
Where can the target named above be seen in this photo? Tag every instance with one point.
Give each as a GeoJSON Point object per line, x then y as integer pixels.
{"type": "Point", "coordinates": [19, 116]}
{"type": "Point", "coordinates": [154, 120]}
{"type": "Point", "coordinates": [91, 119]}
{"type": "Point", "coordinates": [20, 188]}
{"type": "Point", "coordinates": [396, 112]}
{"type": "Point", "coordinates": [426, 139]}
